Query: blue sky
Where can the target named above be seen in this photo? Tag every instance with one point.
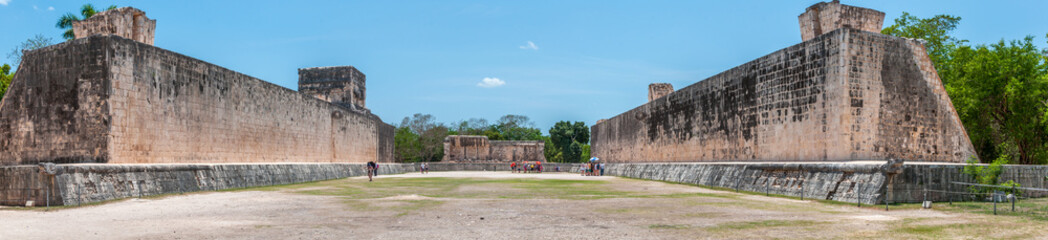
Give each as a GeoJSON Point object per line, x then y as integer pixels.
{"type": "Point", "coordinates": [553, 60]}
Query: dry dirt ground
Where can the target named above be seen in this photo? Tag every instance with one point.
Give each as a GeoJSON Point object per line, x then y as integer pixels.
{"type": "Point", "coordinates": [487, 205]}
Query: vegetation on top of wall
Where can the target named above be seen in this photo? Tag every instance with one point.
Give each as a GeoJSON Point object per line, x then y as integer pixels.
{"type": "Point", "coordinates": [66, 21]}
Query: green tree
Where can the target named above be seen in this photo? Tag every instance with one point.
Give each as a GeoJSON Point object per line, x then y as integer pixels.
{"type": "Point", "coordinates": [422, 139]}
{"type": "Point", "coordinates": [550, 151]}
{"type": "Point", "coordinates": [5, 79]}
{"type": "Point", "coordinates": [66, 21]}
{"type": "Point", "coordinates": [517, 127]}
{"type": "Point", "coordinates": [563, 134]}
{"type": "Point", "coordinates": [405, 145]}
{"type": "Point", "coordinates": [999, 91]}
{"type": "Point", "coordinates": [32, 43]}
{"type": "Point", "coordinates": [935, 31]}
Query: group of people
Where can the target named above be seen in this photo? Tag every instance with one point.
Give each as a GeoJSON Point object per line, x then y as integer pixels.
{"type": "Point", "coordinates": [594, 167]}
{"type": "Point", "coordinates": [526, 167]}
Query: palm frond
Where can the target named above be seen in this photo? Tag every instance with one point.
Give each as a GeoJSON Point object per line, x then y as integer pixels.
{"type": "Point", "coordinates": [69, 35]}
{"type": "Point", "coordinates": [66, 21]}
{"type": "Point", "coordinates": [87, 10]}
{"type": "Point", "coordinates": [111, 7]}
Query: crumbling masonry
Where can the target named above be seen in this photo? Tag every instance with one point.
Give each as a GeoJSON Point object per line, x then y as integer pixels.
{"type": "Point", "coordinates": [478, 149]}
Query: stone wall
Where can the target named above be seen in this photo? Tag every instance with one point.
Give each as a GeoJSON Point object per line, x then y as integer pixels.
{"type": "Point", "coordinates": [842, 96]}
{"type": "Point", "coordinates": [339, 85]}
{"type": "Point", "coordinates": [868, 182]}
{"type": "Point", "coordinates": [463, 148]}
{"type": "Point", "coordinates": [125, 22]}
{"type": "Point", "coordinates": [75, 184]}
{"type": "Point", "coordinates": [658, 90]}
{"type": "Point", "coordinates": [107, 99]}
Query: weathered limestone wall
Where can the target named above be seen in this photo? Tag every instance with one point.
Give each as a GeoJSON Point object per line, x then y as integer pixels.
{"type": "Point", "coordinates": [845, 95]}
{"type": "Point", "coordinates": [107, 99]}
{"type": "Point", "coordinates": [826, 17]}
{"type": "Point", "coordinates": [658, 90]}
{"type": "Point", "coordinates": [86, 183]}
{"type": "Point", "coordinates": [339, 85]}
{"type": "Point", "coordinates": [125, 22]}
{"type": "Point", "coordinates": [870, 182]}
{"type": "Point", "coordinates": [56, 107]}
{"type": "Point", "coordinates": [462, 148]}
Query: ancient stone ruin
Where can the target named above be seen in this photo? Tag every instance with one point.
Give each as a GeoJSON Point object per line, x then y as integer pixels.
{"type": "Point", "coordinates": [343, 85]}
{"type": "Point", "coordinates": [658, 90]}
{"type": "Point", "coordinates": [478, 149]}
{"type": "Point", "coordinates": [125, 22]}
{"type": "Point", "coordinates": [846, 93]}
{"type": "Point", "coordinates": [109, 98]}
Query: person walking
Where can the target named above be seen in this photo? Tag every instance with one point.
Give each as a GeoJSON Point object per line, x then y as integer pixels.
{"type": "Point", "coordinates": [422, 167]}
{"type": "Point", "coordinates": [371, 166]}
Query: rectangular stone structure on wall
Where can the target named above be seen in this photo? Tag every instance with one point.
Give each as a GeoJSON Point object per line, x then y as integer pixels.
{"type": "Point", "coordinates": [125, 22]}
{"type": "Point", "coordinates": [841, 96]}
{"type": "Point", "coordinates": [108, 99]}
{"type": "Point", "coordinates": [342, 85]}
{"type": "Point", "coordinates": [473, 149]}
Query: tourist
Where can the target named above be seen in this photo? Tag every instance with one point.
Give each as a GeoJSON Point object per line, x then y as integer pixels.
{"type": "Point", "coordinates": [601, 166]}
{"type": "Point", "coordinates": [376, 169]}
{"type": "Point", "coordinates": [539, 166]}
{"type": "Point", "coordinates": [422, 167]}
{"type": "Point", "coordinates": [513, 167]}
{"type": "Point", "coordinates": [371, 166]}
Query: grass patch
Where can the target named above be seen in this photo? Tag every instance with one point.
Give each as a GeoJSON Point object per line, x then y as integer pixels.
{"type": "Point", "coordinates": [730, 226]}
{"type": "Point", "coordinates": [477, 188]}
{"type": "Point", "coordinates": [668, 226]}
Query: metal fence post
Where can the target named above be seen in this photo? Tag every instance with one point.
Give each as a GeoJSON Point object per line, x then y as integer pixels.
{"type": "Point", "coordinates": [1015, 197]}
{"type": "Point", "coordinates": [994, 198]}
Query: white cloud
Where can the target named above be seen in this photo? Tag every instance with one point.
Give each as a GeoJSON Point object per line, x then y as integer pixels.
{"type": "Point", "coordinates": [4, 2]}
{"type": "Point", "coordinates": [489, 82]}
{"type": "Point", "coordinates": [50, 8]}
{"type": "Point", "coordinates": [530, 46]}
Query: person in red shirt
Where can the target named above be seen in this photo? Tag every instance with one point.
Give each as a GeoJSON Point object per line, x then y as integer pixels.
{"type": "Point", "coordinates": [513, 167]}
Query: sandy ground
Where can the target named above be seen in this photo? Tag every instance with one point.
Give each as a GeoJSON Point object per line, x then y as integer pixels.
{"type": "Point", "coordinates": [285, 214]}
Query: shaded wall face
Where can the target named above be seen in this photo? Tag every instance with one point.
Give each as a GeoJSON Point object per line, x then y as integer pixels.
{"type": "Point", "coordinates": [846, 95]}
{"type": "Point", "coordinates": [156, 106]}
{"type": "Point", "coordinates": [57, 109]}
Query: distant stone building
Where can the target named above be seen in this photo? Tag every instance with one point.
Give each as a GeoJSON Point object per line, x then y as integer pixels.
{"type": "Point", "coordinates": [465, 148]}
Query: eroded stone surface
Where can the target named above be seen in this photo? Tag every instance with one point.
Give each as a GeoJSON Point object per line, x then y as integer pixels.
{"type": "Point", "coordinates": [108, 99]}
{"type": "Point", "coordinates": [845, 95]}
{"type": "Point", "coordinates": [125, 22]}
{"type": "Point", "coordinates": [658, 90]}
